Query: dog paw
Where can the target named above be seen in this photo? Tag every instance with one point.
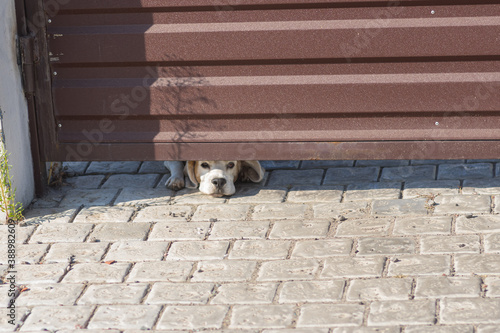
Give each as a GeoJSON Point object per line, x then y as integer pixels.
{"type": "Point", "coordinates": [175, 183]}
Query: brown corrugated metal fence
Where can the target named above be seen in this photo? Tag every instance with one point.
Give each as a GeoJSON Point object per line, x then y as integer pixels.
{"type": "Point", "coordinates": [274, 79]}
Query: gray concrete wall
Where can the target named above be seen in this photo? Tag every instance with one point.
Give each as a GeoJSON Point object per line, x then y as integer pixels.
{"type": "Point", "coordinates": [14, 108]}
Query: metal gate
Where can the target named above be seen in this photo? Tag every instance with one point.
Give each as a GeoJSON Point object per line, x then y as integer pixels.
{"type": "Point", "coordinates": [266, 79]}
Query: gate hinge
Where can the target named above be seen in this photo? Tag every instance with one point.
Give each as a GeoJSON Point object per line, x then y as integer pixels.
{"type": "Point", "coordinates": [29, 57]}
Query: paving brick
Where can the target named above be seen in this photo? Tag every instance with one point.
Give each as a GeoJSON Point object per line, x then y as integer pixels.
{"type": "Point", "coordinates": [422, 225]}
{"type": "Point", "coordinates": [492, 286]}
{"type": "Point", "coordinates": [224, 271]}
{"type": "Point", "coordinates": [321, 315]}
{"type": "Point", "coordinates": [252, 194]}
{"type": "Point", "coordinates": [326, 164]}
{"type": "Point", "coordinates": [135, 181]}
{"type": "Point", "coordinates": [77, 197]}
{"type": "Point", "coordinates": [221, 212]}
{"type": "Point", "coordinates": [482, 160]}
{"type": "Point", "coordinates": [49, 215]}
{"type": "Point", "coordinates": [25, 254]}
{"type": "Point", "coordinates": [114, 294]}
{"type": "Point", "coordinates": [299, 229]}
{"type": "Point", "coordinates": [49, 294]}
{"type": "Point", "coordinates": [321, 248]}
{"type": "Point", "coordinates": [142, 331]}
{"type": "Point", "coordinates": [378, 329]}
{"type": "Point", "coordinates": [422, 162]}
{"type": "Point", "coordinates": [81, 182]}
{"type": "Point", "coordinates": [418, 265]}
{"type": "Point", "coordinates": [180, 293]}
{"type": "Point", "coordinates": [163, 214]}
{"type": "Point", "coordinates": [439, 287]}
{"type": "Point", "coordinates": [487, 329]}
{"type": "Point", "coordinates": [50, 200]}
{"type": "Point", "coordinates": [262, 316]}
{"type": "Point", "coordinates": [194, 317]}
{"type": "Point", "coordinates": [189, 196]}
{"type": "Point", "coordinates": [294, 330]}
{"type": "Point", "coordinates": [497, 170]}
{"type": "Point", "coordinates": [279, 211]}
{"type": "Point", "coordinates": [76, 252]}
{"type": "Point", "coordinates": [75, 168]}
{"type": "Point", "coordinates": [465, 171]}
{"type": "Point", "coordinates": [345, 176]}
{"type": "Point", "coordinates": [388, 246]}
{"type": "Point", "coordinates": [296, 177]}
{"type": "Point", "coordinates": [112, 232]}
{"type": "Point", "coordinates": [259, 249]}
{"type": "Point", "coordinates": [348, 267]}
{"type": "Point", "coordinates": [104, 214]}
{"type": "Point", "coordinates": [439, 329]}
{"type": "Point", "coordinates": [463, 204]}
{"type": "Point", "coordinates": [171, 271]}
{"type": "Point", "coordinates": [311, 291]}
{"type": "Point", "coordinates": [97, 331]}
{"type": "Point", "coordinates": [208, 250]}
{"type": "Point", "coordinates": [170, 231]}
{"type": "Point", "coordinates": [492, 243]}
{"type": "Point", "coordinates": [239, 230]}
{"type": "Point", "coordinates": [379, 289]}
{"type": "Point", "coordinates": [45, 318]}
{"type": "Point", "coordinates": [354, 209]}
{"type": "Point", "coordinates": [405, 173]}
{"type": "Point", "coordinates": [470, 310]}
{"type": "Point", "coordinates": [400, 207]}
{"type": "Point", "coordinates": [296, 269]}
{"type": "Point", "coordinates": [20, 315]}
{"type": "Point", "coordinates": [153, 167]}
{"type": "Point", "coordinates": [430, 188]}
{"type": "Point", "coordinates": [315, 194]}
{"type": "Point", "coordinates": [22, 233]}
{"type": "Point", "coordinates": [364, 227]}
{"type": "Point", "coordinates": [113, 167]}
{"type": "Point", "coordinates": [366, 191]}
{"type": "Point", "coordinates": [143, 197]}
{"type": "Point", "coordinates": [497, 204]}
{"type": "Point", "coordinates": [137, 251]}
{"type": "Point", "coordinates": [274, 165]}
{"type": "Point", "coordinates": [481, 186]}
{"type": "Point", "coordinates": [450, 244]}
{"type": "Point", "coordinates": [61, 232]}
{"type": "Point", "coordinates": [4, 295]}
{"type": "Point", "coordinates": [97, 273]}
{"type": "Point", "coordinates": [382, 163]}
{"type": "Point", "coordinates": [245, 293]}
{"type": "Point", "coordinates": [477, 264]}
{"type": "Point", "coordinates": [415, 312]}
{"type": "Point", "coordinates": [47, 273]}
{"type": "Point", "coordinates": [125, 317]}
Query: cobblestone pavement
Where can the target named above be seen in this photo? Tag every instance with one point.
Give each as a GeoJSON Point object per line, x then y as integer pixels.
{"type": "Point", "coordinates": [319, 246]}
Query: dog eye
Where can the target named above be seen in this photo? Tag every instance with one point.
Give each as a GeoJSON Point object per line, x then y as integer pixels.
{"type": "Point", "coordinates": [230, 165]}
{"type": "Point", "coordinates": [205, 165]}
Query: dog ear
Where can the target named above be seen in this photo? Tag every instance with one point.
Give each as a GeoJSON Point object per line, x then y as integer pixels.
{"type": "Point", "coordinates": [190, 170]}
{"type": "Point", "coordinates": [251, 171]}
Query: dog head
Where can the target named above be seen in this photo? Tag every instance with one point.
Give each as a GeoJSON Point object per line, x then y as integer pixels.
{"type": "Point", "coordinates": [217, 177]}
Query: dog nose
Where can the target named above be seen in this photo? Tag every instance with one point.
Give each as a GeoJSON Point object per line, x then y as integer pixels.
{"type": "Point", "coordinates": [219, 182]}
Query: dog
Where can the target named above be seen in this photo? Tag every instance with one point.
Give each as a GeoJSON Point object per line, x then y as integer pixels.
{"type": "Point", "coordinates": [215, 178]}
